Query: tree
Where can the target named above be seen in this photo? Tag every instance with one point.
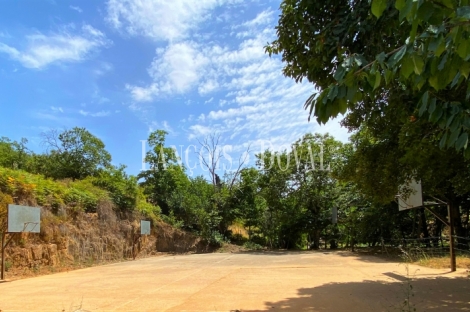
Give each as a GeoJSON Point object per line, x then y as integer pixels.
{"type": "Point", "coordinates": [224, 192]}
{"type": "Point", "coordinates": [14, 154]}
{"type": "Point", "coordinates": [123, 188]}
{"type": "Point", "coordinates": [299, 190]}
{"type": "Point", "coordinates": [363, 54]}
{"type": "Point", "coordinates": [165, 176]}
{"type": "Point", "coordinates": [251, 205]}
{"type": "Point", "coordinates": [74, 154]}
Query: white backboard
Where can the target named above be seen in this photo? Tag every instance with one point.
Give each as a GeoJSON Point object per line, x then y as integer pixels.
{"type": "Point", "coordinates": [145, 227]}
{"type": "Point", "coordinates": [411, 200]}
{"type": "Point", "coordinates": [23, 219]}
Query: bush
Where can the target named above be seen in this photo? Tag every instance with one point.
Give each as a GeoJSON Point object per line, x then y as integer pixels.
{"type": "Point", "coordinates": [252, 246]}
{"type": "Point", "coordinates": [216, 239]}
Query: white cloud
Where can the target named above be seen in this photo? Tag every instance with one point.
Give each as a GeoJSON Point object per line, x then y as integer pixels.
{"type": "Point", "coordinates": [269, 106]}
{"type": "Point", "coordinates": [76, 8]}
{"type": "Point", "coordinates": [199, 131]}
{"type": "Point", "coordinates": [97, 114]}
{"type": "Point", "coordinates": [143, 94]}
{"type": "Point", "coordinates": [259, 104]}
{"type": "Point", "coordinates": [263, 18]}
{"type": "Point", "coordinates": [103, 69]}
{"type": "Point", "coordinates": [57, 109]}
{"type": "Point", "coordinates": [208, 86]}
{"type": "Point", "coordinates": [42, 50]}
{"type": "Point", "coordinates": [165, 125]}
{"type": "Point", "coordinates": [179, 66]}
{"type": "Point", "coordinates": [176, 69]}
{"type": "Point", "coordinates": [160, 19]}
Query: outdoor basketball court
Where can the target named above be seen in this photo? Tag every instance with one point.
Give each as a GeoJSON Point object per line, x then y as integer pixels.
{"type": "Point", "coordinates": [270, 281]}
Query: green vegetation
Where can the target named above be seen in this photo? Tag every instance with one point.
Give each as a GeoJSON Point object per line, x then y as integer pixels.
{"type": "Point", "coordinates": [74, 172]}
{"type": "Point", "coordinates": [373, 58]}
{"type": "Point", "coordinates": [397, 70]}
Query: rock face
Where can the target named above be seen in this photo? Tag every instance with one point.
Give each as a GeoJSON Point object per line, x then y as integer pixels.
{"type": "Point", "coordinates": [169, 239]}
{"type": "Point", "coordinates": [95, 237]}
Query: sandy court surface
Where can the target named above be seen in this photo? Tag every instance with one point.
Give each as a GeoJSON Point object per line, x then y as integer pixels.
{"type": "Point", "coordinates": [259, 281]}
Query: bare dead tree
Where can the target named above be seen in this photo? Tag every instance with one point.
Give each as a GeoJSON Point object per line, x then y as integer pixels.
{"type": "Point", "coordinates": [210, 145]}
{"type": "Point", "coordinates": [241, 162]}
{"type": "Point", "coordinates": [210, 155]}
{"type": "Point", "coordinates": [50, 140]}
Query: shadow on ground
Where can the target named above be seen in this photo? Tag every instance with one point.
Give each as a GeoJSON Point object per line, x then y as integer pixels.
{"type": "Point", "coordinates": [436, 294]}
{"type": "Point", "coordinates": [367, 257]}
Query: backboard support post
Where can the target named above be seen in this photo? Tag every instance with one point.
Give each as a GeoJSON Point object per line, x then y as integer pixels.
{"type": "Point", "coordinates": [3, 247]}
{"type": "Point", "coordinates": [2, 277]}
{"type": "Point", "coordinates": [453, 261]}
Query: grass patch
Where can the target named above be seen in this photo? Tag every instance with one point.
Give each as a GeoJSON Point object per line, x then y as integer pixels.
{"type": "Point", "coordinates": [443, 262]}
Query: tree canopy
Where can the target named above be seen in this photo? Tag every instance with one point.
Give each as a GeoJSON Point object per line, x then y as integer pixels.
{"type": "Point", "coordinates": [362, 55]}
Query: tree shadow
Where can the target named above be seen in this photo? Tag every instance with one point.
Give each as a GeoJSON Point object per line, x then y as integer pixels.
{"type": "Point", "coordinates": [426, 294]}
{"type": "Point", "coordinates": [373, 258]}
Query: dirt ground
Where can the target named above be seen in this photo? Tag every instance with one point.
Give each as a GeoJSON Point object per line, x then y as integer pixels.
{"type": "Point", "coordinates": [244, 281]}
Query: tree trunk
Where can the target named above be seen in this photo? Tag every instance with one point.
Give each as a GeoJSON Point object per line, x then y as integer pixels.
{"type": "Point", "coordinates": [424, 227]}
{"type": "Point", "coordinates": [458, 228]}
{"type": "Point", "coordinates": [316, 240]}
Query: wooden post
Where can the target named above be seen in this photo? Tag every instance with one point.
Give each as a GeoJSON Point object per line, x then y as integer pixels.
{"type": "Point", "coordinates": [453, 262]}
{"type": "Point", "coordinates": [3, 257]}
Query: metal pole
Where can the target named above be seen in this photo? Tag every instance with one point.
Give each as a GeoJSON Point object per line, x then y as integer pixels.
{"type": "Point", "coordinates": [3, 257]}
{"type": "Point", "coordinates": [453, 262]}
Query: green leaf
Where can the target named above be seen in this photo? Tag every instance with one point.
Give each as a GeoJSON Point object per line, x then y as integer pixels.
{"type": "Point", "coordinates": [453, 138]}
{"type": "Point", "coordinates": [463, 49]}
{"type": "Point", "coordinates": [462, 141]}
{"type": "Point", "coordinates": [381, 57]}
{"type": "Point", "coordinates": [332, 93]}
{"type": "Point", "coordinates": [397, 56]}
{"type": "Point", "coordinates": [436, 115]}
{"type": "Point", "coordinates": [443, 62]}
{"type": "Point", "coordinates": [456, 80]}
{"type": "Point", "coordinates": [377, 80]}
{"type": "Point", "coordinates": [414, 29]}
{"type": "Point", "coordinates": [339, 74]}
{"type": "Point", "coordinates": [464, 12]}
{"type": "Point", "coordinates": [424, 103]}
{"type": "Point", "coordinates": [440, 48]}
{"type": "Point", "coordinates": [360, 60]}
{"type": "Point", "coordinates": [465, 69]}
{"type": "Point", "coordinates": [432, 106]}
{"type": "Point", "coordinates": [400, 4]}
{"type": "Point", "coordinates": [434, 82]}
{"type": "Point", "coordinates": [351, 92]}
{"type": "Point", "coordinates": [407, 67]}
{"type": "Point", "coordinates": [371, 79]}
{"type": "Point", "coordinates": [449, 120]}
{"type": "Point", "coordinates": [467, 153]}
{"type": "Point", "coordinates": [343, 105]}
{"type": "Point", "coordinates": [388, 76]}
{"type": "Point", "coordinates": [448, 3]}
{"type": "Point", "coordinates": [425, 11]}
{"type": "Point", "coordinates": [442, 143]}
{"type": "Point", "coordinates": [405, 8]}
{"type": "Point", "coordinates": [418, 64]}
{"type": "Point", "coordinates": [378, 7]}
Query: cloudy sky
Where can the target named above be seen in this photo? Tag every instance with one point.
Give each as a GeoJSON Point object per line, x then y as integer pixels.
{"type": "Point", "coordinates": [123, 68]}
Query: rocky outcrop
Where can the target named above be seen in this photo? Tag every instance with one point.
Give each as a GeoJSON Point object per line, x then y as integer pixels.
{"type": "Point", "coordinates": [169, 239]}
{"type": "Point", "coordinates": [93, 238]}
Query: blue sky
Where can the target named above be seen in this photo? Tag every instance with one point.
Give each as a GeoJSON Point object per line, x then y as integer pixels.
{"type": "Point", "coordinates": [123, 68]}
